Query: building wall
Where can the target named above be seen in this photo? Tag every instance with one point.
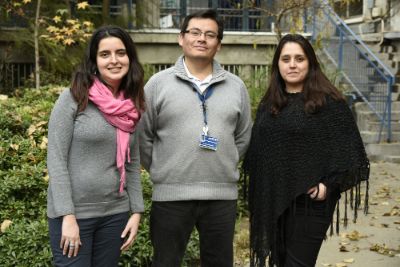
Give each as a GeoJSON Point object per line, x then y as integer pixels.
{"type": "Point", "coordinates": [161, 47]}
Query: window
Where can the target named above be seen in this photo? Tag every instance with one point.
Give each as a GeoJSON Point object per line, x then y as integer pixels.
{"type": "Point", "coordinates": [349, 9]}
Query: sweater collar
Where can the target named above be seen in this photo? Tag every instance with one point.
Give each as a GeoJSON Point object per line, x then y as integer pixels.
{"type": "Point", "coordinates": [217, 75]}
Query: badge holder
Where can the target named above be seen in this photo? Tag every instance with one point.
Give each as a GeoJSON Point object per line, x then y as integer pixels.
{"type": "Point", "coordinates": [208, 142]}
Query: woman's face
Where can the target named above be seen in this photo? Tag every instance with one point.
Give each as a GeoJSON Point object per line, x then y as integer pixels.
{"type": "Point", "coordinates": [112, 61]}
{"type": "Point", "coordinates": [293, 65]}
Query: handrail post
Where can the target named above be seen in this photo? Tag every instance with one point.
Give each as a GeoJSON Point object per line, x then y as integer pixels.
{"type": "Point", "coordinates": [389, 107]}
{"type": "Point", "coordinates": [340, 56]}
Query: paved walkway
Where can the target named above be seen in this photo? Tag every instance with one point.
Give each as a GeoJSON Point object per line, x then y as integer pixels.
{"type": "Point", "coordinates": [374, 241]}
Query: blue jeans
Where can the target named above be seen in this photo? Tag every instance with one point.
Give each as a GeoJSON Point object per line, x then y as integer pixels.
{"type": "Point", "coordinates": [172, 222]}
{"type": "Point", "coordinates": [100, 237]}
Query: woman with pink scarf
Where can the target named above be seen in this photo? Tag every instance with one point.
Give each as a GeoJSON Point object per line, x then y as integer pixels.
{"type": "Point", "coordinates": [95, 195]}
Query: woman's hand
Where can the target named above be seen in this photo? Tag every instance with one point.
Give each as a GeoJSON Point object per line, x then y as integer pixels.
{"type": "Point", "coordinates": [131, 228]}
{"type": "Point", "coordinates": [70, 239]}
{"type": "Point", "coordinates": [317, 192]}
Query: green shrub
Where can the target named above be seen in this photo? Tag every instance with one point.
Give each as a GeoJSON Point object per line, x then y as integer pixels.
{"type": "Point", "coordinates": [25, 243]}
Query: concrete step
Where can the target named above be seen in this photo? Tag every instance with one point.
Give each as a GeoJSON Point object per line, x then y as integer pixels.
{"type": "Point", "coordinates": [370, 137]}
{"type": "Point", "coordinates": [375, 126]}
{"type": "Point", "coordinates": [388, 149]}
{"type": "Point", "coordinates": [395, 96]}
{"type": "Point", "coordinates": [381, 49]}
{"type": "Point", "coordinates": [371, 116]}
{"type": "Point", "coordinates": [396, 87]}
{"type": "Point", "coordinates": [363, 107]}
{"type": "Point", "coordinates": [391, 65]}
{"type": "Point", "coordinates": [392, 159]}
{"type": "Point", "coordinates": [389, 152]}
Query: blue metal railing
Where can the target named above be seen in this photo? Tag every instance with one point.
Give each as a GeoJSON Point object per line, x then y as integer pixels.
{"type": "Point", "coordinates": [369, 78]}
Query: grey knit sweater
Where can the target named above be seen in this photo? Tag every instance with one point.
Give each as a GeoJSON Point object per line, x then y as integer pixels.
{"type": "Point", "coordinates": [81, 160]}
{"type": "Point", "coordinates": [170, 131]}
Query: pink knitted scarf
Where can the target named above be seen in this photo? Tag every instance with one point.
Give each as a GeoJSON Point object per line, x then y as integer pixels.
{"type": "Point", "coordinates": [122, 114]}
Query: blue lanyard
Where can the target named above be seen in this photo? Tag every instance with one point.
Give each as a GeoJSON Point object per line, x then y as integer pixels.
{"type": "Point", "coordinates": [203, 98]}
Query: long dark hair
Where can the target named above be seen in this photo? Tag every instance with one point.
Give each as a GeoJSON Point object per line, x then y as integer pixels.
{"type": "Point", "coordinates": [133, 82]}
{"type": "Point", "coordinates": [316, 84]}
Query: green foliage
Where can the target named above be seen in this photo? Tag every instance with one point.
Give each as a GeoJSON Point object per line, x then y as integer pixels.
{"type": "Point", "coordinates": [25, 243]}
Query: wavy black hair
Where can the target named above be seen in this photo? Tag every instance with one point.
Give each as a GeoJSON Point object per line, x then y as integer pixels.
{"type": "Point", "coordinates": [133, 82]}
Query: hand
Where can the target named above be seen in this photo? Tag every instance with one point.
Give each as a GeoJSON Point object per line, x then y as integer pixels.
{"type": "Point", "coordinates": [318, 192]}
{"type": "Point", "coordinates": [131, 228]}
{"type": "Point", "coordinates": [70, 239]}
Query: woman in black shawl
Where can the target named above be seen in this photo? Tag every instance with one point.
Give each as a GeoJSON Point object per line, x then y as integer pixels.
{"type": "Point", "coordinates": [305, 150]}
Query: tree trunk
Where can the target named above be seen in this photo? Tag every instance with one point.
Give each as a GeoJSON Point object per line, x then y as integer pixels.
{"type": "Point", "coordinates": [148, 14]}
{"type": "Point", "coordinates": [36, 37]}
{"type": "Point", "coordinates": [106, 11]}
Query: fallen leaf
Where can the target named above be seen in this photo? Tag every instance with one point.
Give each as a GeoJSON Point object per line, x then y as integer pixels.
{"type": "Point", "coordinates": [341, 264]}
{"type": "Point", "coordinates": [31, 129]}
{"type": "Point", "coordinates": [383, 249]}
{"type": "Point", "coordinates": [41, 123]}
{"type": "Point", "coordinates": [4, 225]}
{"type": "Point", "coordinates": [343, 249]}
{"type": "Point", "coordinates": [14, 146]}
{"type": "Point", "coordinates": [43, 145]}
{"type": "Point", "coordinates": [355, 235]}
{"type": "Point", "coordinates": [351, 260]}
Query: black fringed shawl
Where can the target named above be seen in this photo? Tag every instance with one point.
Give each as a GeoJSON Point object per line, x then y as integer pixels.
{"type": "Point", "coordinates": [289, 153]}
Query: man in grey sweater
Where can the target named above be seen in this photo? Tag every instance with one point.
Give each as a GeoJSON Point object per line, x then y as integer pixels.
{"type": "Point", "coordinates": [196, 128]}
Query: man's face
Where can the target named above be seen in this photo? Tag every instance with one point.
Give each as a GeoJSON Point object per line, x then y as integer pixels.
{"type": "Point", "coordinates": [200, 42]}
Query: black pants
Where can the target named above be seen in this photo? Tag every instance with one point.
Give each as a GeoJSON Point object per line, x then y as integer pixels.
{"type": "Point", "coordinates": [100, 237]}
{"type": "Point", "coordinates": [305, 227]}
{"type": "Point", "coordinates": [172, 222]}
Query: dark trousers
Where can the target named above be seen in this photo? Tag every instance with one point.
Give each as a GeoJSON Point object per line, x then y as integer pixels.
{"type": "Point", "coordinates": [100, 237]}
{"type": "Point", "coordinates": [305, 229]}
{"type": "Point", "coordinates": [172, 222]}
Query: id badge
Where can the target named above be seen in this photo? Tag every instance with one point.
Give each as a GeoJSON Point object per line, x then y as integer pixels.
{"type": "Point", "coordinates": [208, 142]}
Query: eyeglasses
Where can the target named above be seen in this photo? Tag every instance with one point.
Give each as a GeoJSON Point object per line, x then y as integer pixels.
{"type": "Point", "coordinates": [209, 35]}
